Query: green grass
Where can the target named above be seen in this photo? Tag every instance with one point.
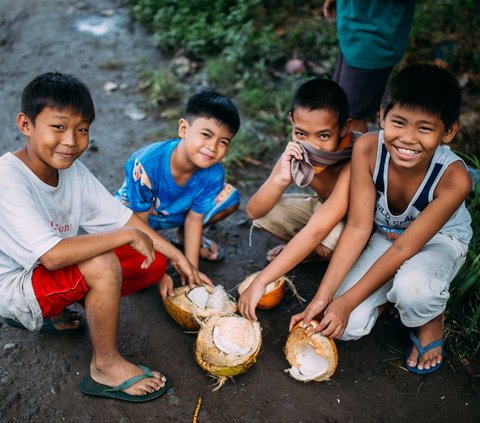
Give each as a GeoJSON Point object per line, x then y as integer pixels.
{"type": "Point", "coordinates": [463, 310]}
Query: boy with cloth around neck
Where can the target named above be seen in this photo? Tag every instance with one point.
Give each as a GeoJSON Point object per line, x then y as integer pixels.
{"type": "Point", "coordinates": [318, 157]}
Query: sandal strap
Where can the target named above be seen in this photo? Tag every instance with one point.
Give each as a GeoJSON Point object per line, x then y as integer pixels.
{"type": "Point", "coordinates": [133, 380]}
{"type": "Point", "coordinates": [422, 350]}
{"type": "Point", "coordinates": [206, 243]}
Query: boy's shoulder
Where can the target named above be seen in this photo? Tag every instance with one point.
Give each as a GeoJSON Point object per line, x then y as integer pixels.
{"type": "Point", "coordinates": [155, 150]}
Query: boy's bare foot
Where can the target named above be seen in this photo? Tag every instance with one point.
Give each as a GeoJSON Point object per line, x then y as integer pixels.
{"type": "Point", "coordinates": [210, 250]}
{"type": "Point", "coordinates": [426, 334]}
{"type": "Point", "coordinates": [66, 320]}
{"type": "Point", "coordinates": [274, 252]}
{"type": "Point", "coordinates": [120, 370]}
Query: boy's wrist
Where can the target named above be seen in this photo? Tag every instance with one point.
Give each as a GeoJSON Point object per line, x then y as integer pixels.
{"type": "Point", "coordinates": [282, 182]}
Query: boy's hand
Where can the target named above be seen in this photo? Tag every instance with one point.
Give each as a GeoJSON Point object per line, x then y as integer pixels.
{"type": "Point", "coordinates": [205, 280]}
{"type": "Point", "coordinates": [315, 307]}
{"type": "Point", "coordinates": [187, 271]}
{"type": "Point", "coordinates": [335, 319]}
{"type": "Point", "coordinates": [143, 244]}
{"type": "Point", "coordinates": [329, 9]}
{"type": "Point", "coordinates": [293, 150]}
{"type": "Point", "coordinates": [165, 286]}
{"type": "Point", "coordinates": [248, 301]}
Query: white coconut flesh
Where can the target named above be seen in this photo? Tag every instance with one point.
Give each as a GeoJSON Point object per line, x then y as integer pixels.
{"type": "Point", "coordinates": [272, 285]}
{"type": "Point", "coordinates": [216, 301]}
{"type": "Point", "coordinates": [199, 296]}
{"type": "Point", "coordinates": [310, 364]}
{"type": "Point", "coordinates": [235, 336]}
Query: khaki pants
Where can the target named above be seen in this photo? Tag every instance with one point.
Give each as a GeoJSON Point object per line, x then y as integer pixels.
{"type": "Point", "coordinates": [291, 214]}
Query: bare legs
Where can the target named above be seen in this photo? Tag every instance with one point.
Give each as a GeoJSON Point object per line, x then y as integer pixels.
{"type": "Point", "coordinates": [103, 276]}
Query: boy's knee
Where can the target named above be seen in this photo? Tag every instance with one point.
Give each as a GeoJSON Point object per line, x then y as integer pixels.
{"type": "Point", "coordinates": [360, 323]}
{"type": "Point", "coordinates": [103, 267]}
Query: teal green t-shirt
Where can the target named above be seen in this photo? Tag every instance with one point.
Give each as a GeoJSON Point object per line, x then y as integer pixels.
{"type": "Point", "coordinates": [373, 34]}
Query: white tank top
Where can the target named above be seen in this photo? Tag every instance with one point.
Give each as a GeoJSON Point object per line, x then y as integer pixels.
{"type": "Point", "coordinates": [392, 225]}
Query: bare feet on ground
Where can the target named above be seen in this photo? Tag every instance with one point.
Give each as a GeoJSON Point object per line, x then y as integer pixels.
{"type": "Point", "coordinates": [426, 334]}
{"type": "Point", "coordinates": [59, 322]}
{"type": "Point", "coordinates": [120, 370]}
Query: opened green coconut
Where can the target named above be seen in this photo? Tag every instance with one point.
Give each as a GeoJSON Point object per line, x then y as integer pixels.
{"type": "Point", "coordinates": [312, 356]}
{"type": "Point", "coordinates": [227, 346]}
{"type": "Point", "coordinates": [190, 305]}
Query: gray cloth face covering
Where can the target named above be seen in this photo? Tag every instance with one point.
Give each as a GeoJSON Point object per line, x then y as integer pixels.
{"type": "Point", "coordinates": [303, 170]}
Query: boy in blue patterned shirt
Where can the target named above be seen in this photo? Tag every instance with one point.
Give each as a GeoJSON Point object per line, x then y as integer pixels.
{"type": "Point", "coordinates": [179, 183]}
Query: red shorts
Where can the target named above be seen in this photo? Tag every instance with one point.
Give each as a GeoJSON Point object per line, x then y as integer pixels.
{"type": "Point", "coordinates": [56, 289]}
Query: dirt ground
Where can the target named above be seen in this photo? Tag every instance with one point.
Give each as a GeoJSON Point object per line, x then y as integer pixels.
{"type": "Point", "coordinates": [40, 374]}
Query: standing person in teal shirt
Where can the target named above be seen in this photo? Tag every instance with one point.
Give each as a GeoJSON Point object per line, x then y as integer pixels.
{"type": "Point", "coordinates": [373, 36]}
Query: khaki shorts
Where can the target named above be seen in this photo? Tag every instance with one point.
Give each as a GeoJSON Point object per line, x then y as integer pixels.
{"type": "Point", "coordinates": [291, 214]}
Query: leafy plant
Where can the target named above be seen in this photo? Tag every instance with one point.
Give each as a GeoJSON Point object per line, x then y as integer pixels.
{"type": "Point", "coordinates": [161, 86]}
{"type": "Point", "coordinates": [447, 30]}
{"type": "Point", "coordinates": [463, 311]}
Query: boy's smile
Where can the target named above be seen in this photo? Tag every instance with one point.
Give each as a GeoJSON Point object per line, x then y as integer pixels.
{"type": "Point", "coordinates": [318, 128]}
{"type": "Point", "coordinates": [204, 142]}
{"type": "Point", "coordinates": [54, 142]}
{"type": "Point", "coordinates": [413, 135]}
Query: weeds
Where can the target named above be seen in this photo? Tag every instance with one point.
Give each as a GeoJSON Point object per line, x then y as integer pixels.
{"type": "Point", "coordinates": [463, 311]}
{"type": "Point", "coordinates": [161, 86]}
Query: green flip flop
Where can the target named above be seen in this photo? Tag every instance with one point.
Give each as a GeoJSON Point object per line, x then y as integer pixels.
{"type": "Point", "coordinates": [48, 324]}
{"type": "Point", "coordinates": [89, 387]}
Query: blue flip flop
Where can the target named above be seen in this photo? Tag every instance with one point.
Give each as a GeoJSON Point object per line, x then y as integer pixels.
{"type": "Point", "coordinates": [89, 387]}
{"type": "Point", "coordinates": [48, 325]}
{"type": "Point", "coordinates": [423, 350]}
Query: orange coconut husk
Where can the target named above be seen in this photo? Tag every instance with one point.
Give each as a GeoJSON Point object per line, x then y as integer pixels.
{"type": "Point", "coordinates": [274, 293]}
{"type": "Point", "coordinates": [187, 314]}
{"type": "Point", "coordinates": [322, 352]}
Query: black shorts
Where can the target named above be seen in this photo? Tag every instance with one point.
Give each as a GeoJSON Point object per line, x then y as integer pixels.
{"type": "Point", "coordinates": [364, 87]}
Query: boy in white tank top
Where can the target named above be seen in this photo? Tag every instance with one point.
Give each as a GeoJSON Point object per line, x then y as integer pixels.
{"type": "Point", "coordinates": [410, 190]}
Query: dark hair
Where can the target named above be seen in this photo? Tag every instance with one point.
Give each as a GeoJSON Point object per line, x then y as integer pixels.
{"type": "Point", "coordinates": [428, 87]}
{"type": "Point", "coordinates": [321, 93]}
{"type": "Point", "coordinates": [57, 91]}
{"type": "Point", "coordinates": [212, 105]}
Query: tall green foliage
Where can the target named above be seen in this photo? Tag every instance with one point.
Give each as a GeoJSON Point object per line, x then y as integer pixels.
{"type": "Point", "coordinates": [463, 310]}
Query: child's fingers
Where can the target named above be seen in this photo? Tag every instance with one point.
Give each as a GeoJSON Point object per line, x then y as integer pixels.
{"type": "Point", "coordinates": [205, 280]}
{"type": "Point", "coordinates": [295, 319]}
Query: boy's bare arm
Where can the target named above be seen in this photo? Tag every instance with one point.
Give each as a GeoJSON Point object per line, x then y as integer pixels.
{"type": "Point", "coordinates": [267, 195]}
{"type": "Point", "coordinates": [301, 245]}
{"type": "Point", "coordinates": [193, 236]}
{"type": "Point", "coordinates": [187, 271]}
{"type": "Point", "coordinates": [74, 250]}
{"type": "Point", "coordinates": [272, 189]}
{"type": "Point", "coordinates": [357, 231]}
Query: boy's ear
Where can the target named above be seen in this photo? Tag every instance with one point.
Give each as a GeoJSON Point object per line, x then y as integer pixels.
{"type": "Point", "coordinates": [382, 117]}
{"type": "Point", "coordinates": [290, 116]}
{"type": "Point", "coordinates": [451, 132]}
{"type": "Point", "coordinates": [182, 127]}
{"type": "Point", "coordinates": [345, 129]}
{"type": "Point", "coordinates": [24, 124]}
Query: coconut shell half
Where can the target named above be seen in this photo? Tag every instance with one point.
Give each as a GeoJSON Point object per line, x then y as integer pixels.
{"type": "Point", "coordinates": [312, 357]}
{"type": "Point", "coordinates": [188, 306]}
{"type": "Point", "coordinates": [274, 292]}
{"type": "Point", "coordinates": [228, 345]}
